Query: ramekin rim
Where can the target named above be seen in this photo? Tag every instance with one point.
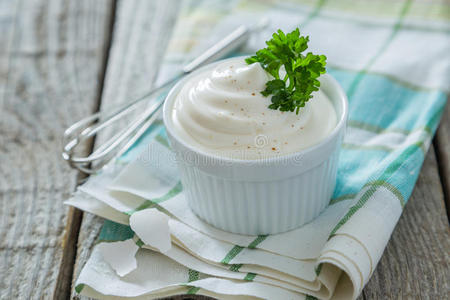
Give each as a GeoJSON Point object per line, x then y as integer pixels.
{"type": "Point", "coordinates": [289, 156]}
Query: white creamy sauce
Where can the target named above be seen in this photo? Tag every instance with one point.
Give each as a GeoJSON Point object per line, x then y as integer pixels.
{"type": "Point", "coordinates": [222, 111]}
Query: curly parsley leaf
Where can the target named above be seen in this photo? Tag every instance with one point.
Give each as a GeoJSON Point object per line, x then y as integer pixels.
{"type": "Point", "coordinates": [283, 57]}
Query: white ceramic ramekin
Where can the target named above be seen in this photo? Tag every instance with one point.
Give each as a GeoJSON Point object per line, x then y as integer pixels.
{"type": "Point", "coordinates": [257, 197]}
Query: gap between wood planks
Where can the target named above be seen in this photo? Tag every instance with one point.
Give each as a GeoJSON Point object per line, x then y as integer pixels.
{"type": "Point", "coordinates": [441, 144]}
{"type": "Point", "coordinates": [64, 280]}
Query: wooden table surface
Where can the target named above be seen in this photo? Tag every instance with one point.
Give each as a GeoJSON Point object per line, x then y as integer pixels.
{"type": "Point", "coordinates": [61, 60]}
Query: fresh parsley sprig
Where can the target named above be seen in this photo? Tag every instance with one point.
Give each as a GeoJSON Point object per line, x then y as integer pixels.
{"type": "Point", "coordinates": [294, 89]}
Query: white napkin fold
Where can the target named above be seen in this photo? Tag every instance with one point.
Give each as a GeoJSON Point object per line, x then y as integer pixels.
{"type": "Point", "coordinates": [288, 260]}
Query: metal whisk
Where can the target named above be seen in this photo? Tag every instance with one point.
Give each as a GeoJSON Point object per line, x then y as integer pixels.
{"type": "Point", "coordinates": [87, 128]}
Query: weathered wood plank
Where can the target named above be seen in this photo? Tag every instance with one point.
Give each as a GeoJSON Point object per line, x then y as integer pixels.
{"type": "Point", "coordinates": [50, 60]}
{"type": "Point", "coordinates": [442, 145]}
{"type": "Point", "coordinates": [74, 216]}
{"type": "Point", "coordinates": [416, 262]}
{"type": "Point", "coordinates": [141, 33]}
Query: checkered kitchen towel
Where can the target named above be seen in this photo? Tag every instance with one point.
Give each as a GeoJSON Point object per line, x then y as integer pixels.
{"type": "Point", "coordinates": [393, 60]}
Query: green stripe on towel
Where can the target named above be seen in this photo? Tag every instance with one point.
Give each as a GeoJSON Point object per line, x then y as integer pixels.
{"type": "Point", "coordinates": [79, 288]}
{"type": "Point", "coordinates": [375, 128]}
{"type": "Point", "coordinates": [342, 198]}
{"type": "Point", "coordinates": [151, 203]}
{"type": "Point", "coordinates": [235, 267]}
{"type": "Point", "coordinates": [257, 241]}
{"type": "Point", "coordinates": [318, 269]}
{"type": "Point", "coordinates": [193, 275]}
{"type": "Point", "coordinates": [381, 181]}
{"type": "Point", "coordinates": [232, 254]}
{"type": "Point", "coordinates": [114, 232]}
{"type": "Point", "coordinates": [314, 13]}
{"type": "Point", "coordinates": [250, 276]}
{"type": "Point", "coordinates": [237, 249]}
{"type": "Point", "coordinates": [354, 85]}
{"type": "Point", "coordinates": [193, 290]}
{"type": "Point", "coordinates": [139, 242]}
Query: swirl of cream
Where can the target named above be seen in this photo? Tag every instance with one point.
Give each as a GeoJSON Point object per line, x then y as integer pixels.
{"type": "Point", "coordinates": [222, 111]}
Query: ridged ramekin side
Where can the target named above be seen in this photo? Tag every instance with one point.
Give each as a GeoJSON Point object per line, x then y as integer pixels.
{"type": "Point", "coordinates": [260, 207]}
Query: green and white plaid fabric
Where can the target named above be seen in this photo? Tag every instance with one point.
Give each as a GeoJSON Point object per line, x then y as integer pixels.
{"type": "Point", "coordinates": [393, 60]}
